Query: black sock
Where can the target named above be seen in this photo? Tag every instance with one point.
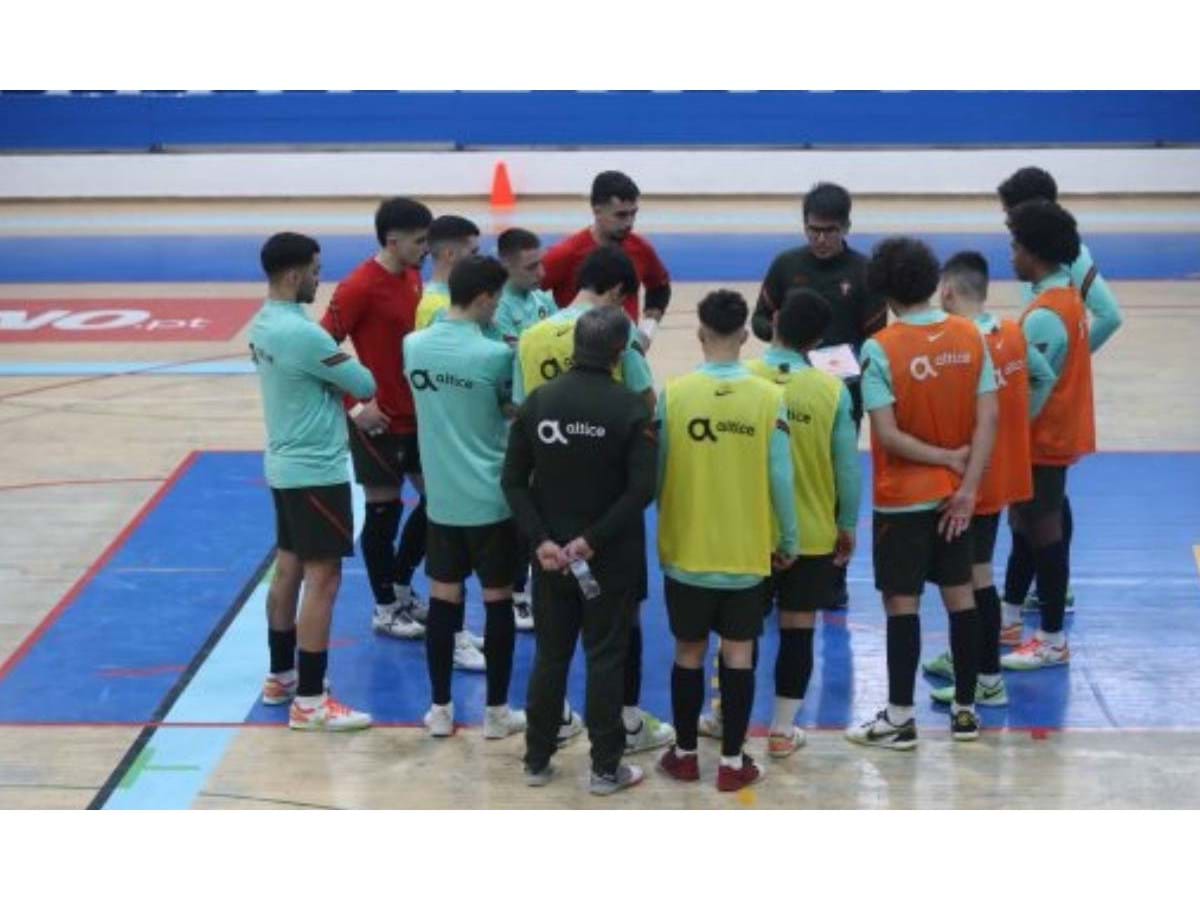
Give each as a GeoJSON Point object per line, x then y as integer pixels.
{"type": "Point", "coordinates": [312, 673]}
{"type": "Point", "coordinates": [903, 654]}
{"type": "Point", "coordinates": [499, 640]}
{"type": "Point", "coordinates": [412, 545]}
{"type": "Point", "coordinates": [794, 664]}
{"type": "Point", "coordinates": [378, 538]}
{"type": "Point", "coordinates": [521, 576]}
{"type": "Point", "coordinates": [439, 648]}
{"type": "Point", "coordinates": [687, 698]}
{"type": "Point", "coordinates": [1068, 528]}
{"type": "Point", "coordinates": [283, 650]}
{"type": "Point", "coordinates": [1018, 575]}
{"type": "Point", "coordinates": [964, 649]}
{"type": "Point", "coordinates": [460, 616]}
{"type": "Point", "coordinates": [736, 703]}
{"type": "Point", "coordinates": [633, 667]}
{"type": "Point", "coordinates": [987, 601]}
{"type": "Point", "coordinates": [1052, 576]}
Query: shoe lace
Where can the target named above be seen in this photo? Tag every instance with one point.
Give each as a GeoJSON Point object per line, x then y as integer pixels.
{"type": "Point", "coordinates": [334, 708]}
{"type": "Point", "coordinates": [1030, 646]}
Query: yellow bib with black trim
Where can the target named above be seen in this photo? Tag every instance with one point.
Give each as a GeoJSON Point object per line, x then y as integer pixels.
{"type": "Point", "coordinates": [811, 397]}
{"type": "Point", "coordinates": [715, 510]}
{"type": "Point", "coordinates": [547, 350]}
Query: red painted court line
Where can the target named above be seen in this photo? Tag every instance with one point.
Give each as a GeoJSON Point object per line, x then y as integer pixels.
{"type": "Point", "coordinates": [107, 375]}
{"type": "Point", "coordinates": [117, 543]}
{"type": "Point", "coordinates": [75, 483]}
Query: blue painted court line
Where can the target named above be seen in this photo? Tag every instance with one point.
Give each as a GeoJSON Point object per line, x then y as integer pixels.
{"type": "Point", "coordinates": [690, 257]}
{"type": "Point", "coordinates": [1136, 630]}
{"type": "Point", "coordinates": [50, 369]}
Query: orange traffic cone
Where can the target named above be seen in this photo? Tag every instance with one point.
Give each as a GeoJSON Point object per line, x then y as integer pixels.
{"type": "Point", "coordinates": [502, 192]}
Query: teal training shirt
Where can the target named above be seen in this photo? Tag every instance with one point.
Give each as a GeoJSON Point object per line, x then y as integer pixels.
{"type": "Point", "coordinates": [459, 380]}
{"type": "Point", "coordinates": [635, 371]}
{"type": "Point", "coordinates": [303, 375]}
{"type": "Point", "coordinates": [1043, 328]}
{"type": "Point", "coordinates": [782, 479]}
{"type": "Point", "coordinates": [519, 310]}
{"type": "Point", "coordinates": [877, 382]}
{"type": "Point", "coordinates": [1100, 301]}
{"type": "Point", "coordinates": [846, 475]}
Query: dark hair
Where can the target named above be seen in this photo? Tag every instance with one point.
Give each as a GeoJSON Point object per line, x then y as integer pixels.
{"type": "Point", "coordinates": [605, 268]}
{"type": "Point", "coordinates": [400, 214]}
{"type": "Point", "coordinates": [287, 250]}
{"type": "Point", "coordinates": [611, 184]}
{"type": "Point", "coordinates": [601, 335]}
{"type": "Point", "coordinates": [473, 276]}
{"type": "Point", "coordinates": [451, 228]}
{"type": "Point", "coordinates": [724, 311]}
{"type": "Point", "coordinates": [516, 240]}
{"type": "Point", "coordinates": [827, 200]}
{"type": "Point", "coordinates": [969, 270]}
{"type": "Point", "coordinates": [1046, 230]}
{"type": "Point", "coordinates": [1030, 183]}
{"type": "Point", "coordinates": [902, 269]}
{"type": "Point", "coordinates": [803, 318]}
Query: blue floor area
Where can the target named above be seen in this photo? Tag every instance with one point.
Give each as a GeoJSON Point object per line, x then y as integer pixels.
{"type": "Point", "coordinates": [689, 257]}
{"type": "Point", "coordinates": [1135, 638]}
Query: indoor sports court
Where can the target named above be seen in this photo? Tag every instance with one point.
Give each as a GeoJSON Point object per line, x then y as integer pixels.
{"type": "Point", "coordinates": [137, 528]}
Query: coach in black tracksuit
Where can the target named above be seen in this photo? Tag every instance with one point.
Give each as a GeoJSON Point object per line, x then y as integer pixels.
{"type": "Point", "coordinates": [579, 472]}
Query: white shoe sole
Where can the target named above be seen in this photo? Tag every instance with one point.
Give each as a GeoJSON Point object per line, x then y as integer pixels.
{"type": "Point", "coordinates": [892, 745]}
{"type": "Point", "coordinates": [469, 663]}
{"type": "Point", "coordinates": [665, 737]}
{"type": "Point", "coordinates": [406, 634]}
{"type": "Point", "coordinates": [332, 727]}
{"type": "Point", "coordinates": [1034, 668]}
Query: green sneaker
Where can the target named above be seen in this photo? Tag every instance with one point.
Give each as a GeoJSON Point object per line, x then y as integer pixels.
{"type": "Point", "coordinates": [941, 666]}
{"type": "Point", "coordinates": [1032, 604]}
{"type": "Point", "coordinates": [984, 696]}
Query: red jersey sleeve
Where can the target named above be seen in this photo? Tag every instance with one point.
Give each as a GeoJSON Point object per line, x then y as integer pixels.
{"type": "Point", "coordinates": [655, 274]}
{"type": "Point", "coordinates": [345, 309]}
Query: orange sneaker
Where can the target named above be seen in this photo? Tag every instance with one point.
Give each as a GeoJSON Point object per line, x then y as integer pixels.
{"type": "Point", "coordinates": [1010, 635]}
{"type": "Point", "coordinates": [328, 715]}
{"type": "Point", "coordinates": [781, 745]}
{"type": "Point", "coordinates": [280, 688]}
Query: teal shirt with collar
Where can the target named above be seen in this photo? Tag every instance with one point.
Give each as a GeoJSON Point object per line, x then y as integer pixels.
{"type": "Point", "coordinates": [877, 382]}
{"type": "Point", "coordinates": [490, 330]}
{"type": "Point", "coordinates": [1100, 300]}
{"type": "Point", "coordinates": [519, 310]}
{"type": "Point", "coordinates": [846, 475]}
{"type": "Point", "coordinates": [782, 481]}
{"type": "Point", "coordinates": [460, 378]}
{"type": "Point", "coordinates": [303, 375]}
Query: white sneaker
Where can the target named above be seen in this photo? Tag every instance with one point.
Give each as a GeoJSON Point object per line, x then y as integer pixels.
{"type": "Point", "coordinates": [882, 732]}
{"type": "Point", "coordinates": [783, 745]}
{"type": "Point", "coordinates": [1036, 654]}
{"type": "Point", "coordinates": [650, 734]}
{"type": "Point", "coordinates": [475, 639]}
{"type": "Point", "coordinates": [411, 601]}
{"type": "Point", "coordinates": [440, 720]}
{"type": "Point", "coordinates": [710, 726]}
{"type": "Point", "coordinates": [523, 611]}
{"type": "Point", "coordinates": [467, 657]}
{"type": "Point", "coordinates": [328, 715]}
{"type": "Point", "coordinates": [396, 621]}
{"type": "Point", "coordinates": [570, 727]}
{"type": "Point", "coordinates": [501, 722]}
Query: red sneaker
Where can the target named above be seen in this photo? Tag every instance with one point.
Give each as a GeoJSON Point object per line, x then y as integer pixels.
{"type": "Point", "coordinates": [730, 779]}
{"type": "Point", "coordinates": [681, 768]}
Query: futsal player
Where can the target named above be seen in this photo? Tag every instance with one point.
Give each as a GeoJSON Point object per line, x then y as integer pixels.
{"type": "Point", "coordinates": [375, 307]}
{"type": "Point", "coordinates": [926, 377]}
{"type": "Point", "coordinates": [614, 209]}
{"type": "Point", "coordinates": [1032, 183]}
{"type": "Point", "coordinates": [1023, 382]}
{"type": "Point", "coordinates": [824, 454]}
{"type": "Point", "coordinates": [726, 503]}
{"type": "Point", "coordinates": [1044, 241]}
{"type": "Point", "coordinates": [544, 352]}
{"type": "Point", "coordinates": [302, 375]}
{"type": "Point", "coordinates": [461, 380]}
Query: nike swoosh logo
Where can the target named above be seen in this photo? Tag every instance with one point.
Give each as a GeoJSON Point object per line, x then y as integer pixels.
{"type": "Point", "coordinates": [933, 337]}
{"type": "Point", "coordinates": [724, 392]}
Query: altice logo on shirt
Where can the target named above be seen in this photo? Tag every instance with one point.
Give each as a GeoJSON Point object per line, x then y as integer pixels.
{"type": "Point", "coordinates": [549, 431]}
{"type": "Point", "coordinates": [421, 380]}
{"type": "Point", "coordinates": [702, 429]}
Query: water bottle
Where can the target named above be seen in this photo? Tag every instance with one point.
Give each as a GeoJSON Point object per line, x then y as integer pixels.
{"type": "Point", "coordinates": [587, 581]}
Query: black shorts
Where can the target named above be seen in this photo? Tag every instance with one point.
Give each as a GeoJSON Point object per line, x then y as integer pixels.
{"type": "Point", "coordinates": [314, 522]}
{"type": "Point", "coordinates": [983, 538]}
{"type": "Point", "coordinates": [909, 551]}
{"type": "Point", "coordinates": [453, 552]}
{"type": "Point", "coordinates": [809, 584]}
{"type": "Point", "coordinates": [695, 612]}
{"type": "Point", "coordinates": [1049, 492]}
{"type": "Point", "coordinates": [383, 460]}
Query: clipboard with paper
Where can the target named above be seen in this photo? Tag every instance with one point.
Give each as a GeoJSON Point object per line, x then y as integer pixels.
{"type": "Point", "coordinates": [838, 361]}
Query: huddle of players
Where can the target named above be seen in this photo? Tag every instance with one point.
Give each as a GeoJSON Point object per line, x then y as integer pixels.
{"type": "Point", "coordinates": [929, 383]}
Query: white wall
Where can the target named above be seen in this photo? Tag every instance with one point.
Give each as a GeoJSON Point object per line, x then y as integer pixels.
{"type": "Point", "coordinates": [662, 172]}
